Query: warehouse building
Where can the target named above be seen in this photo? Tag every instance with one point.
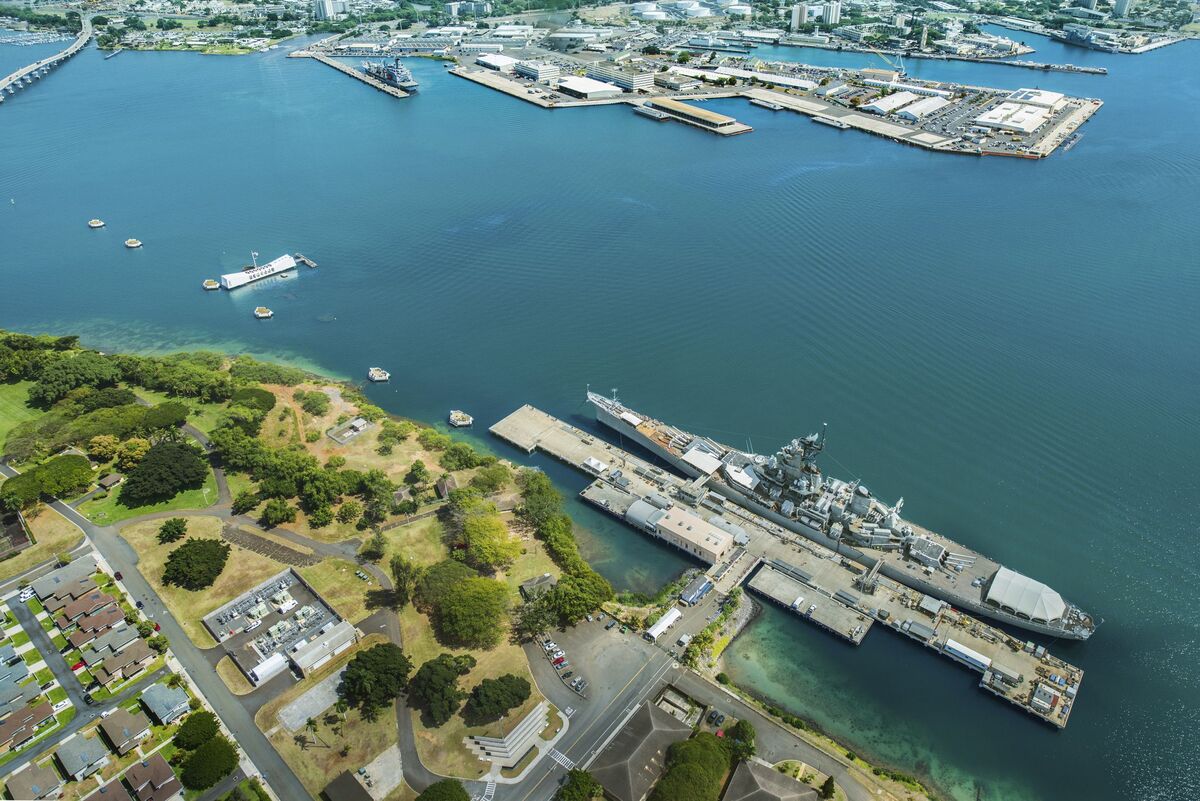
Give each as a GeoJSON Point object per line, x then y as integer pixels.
{"type": "Point", "coordinates": [496, 61]}
{"type": "Point", "coordinates": [1037, 97]}
{"type": "Point", "coordinates": [331, 641]}
{"type": "Point", "coordinates": [1013, 117]}
{"type": "Point", "coordinates": [587, 89]}
{"type": "Point", "coordinates": [889, 103]}
{"type": "Point", "coordinates": [682, 529]}
{"type": "Point", "coordinates": [922, 108]}
{"type": "Point", "coordinates": [537, 71]}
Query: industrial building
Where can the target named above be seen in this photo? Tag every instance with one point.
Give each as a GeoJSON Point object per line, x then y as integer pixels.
{"type": "Point", "coordinates": [915, 89]}
{"type": "Point", "coordinates": [1037, 97]}
{"type": "Point", "coordinates": [634, 760]}
{"type": "Point", "coordinates": [496, 61]}
{"type": "Point", "coordinates": [537, 71]}
{"type": "Point", "coordinates": [1013, 117]}
{"type": "Point", "coordinates": [922, 108]}
{"type": "Point", "coordinates": [669, 618]}
{"type": "Point", "coordinates": [628, 77]}
{"type": "Point", "coordinates": [327, 644]}
{"type": "Point", "coordinates": [698, 116]}
{"type": "Point", "coordinates": [889, 103]}
{"type": "Point", "coordinates": [587, 88]}
{"type": "Point", "coordinates": [681, 528]}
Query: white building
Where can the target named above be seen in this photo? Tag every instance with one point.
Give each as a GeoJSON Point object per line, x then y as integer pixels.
{"type": "Point", "coordinates": [329, 9]}
{"type": "Point", "coordinates": [799, 16]}
{"type": "Point", "coordinates": [922, 108]}
{"type": "Point", "coordinates": [1037, 97]}
{"type": "Point", "coordinates": [497, 62]}
{"type": "Point", "coordinates": [832, 13]}
{"type": "Point", "coordinates": [1013, 117]}
{"type": "Point", "coordinates": [889, 103]}
{"type": "Point", "coordinates": [1123, 8]}
{"type": "Point", "coordinates": [628, 77]}
{"type": "Point", "coordinates": [330, 642]}
{"type": "Point", "coordinates": [537, 71]}
{"type": "Point", "coordinates": [587, 89]}
{"type": "Point", "coordinates": [896, 86]}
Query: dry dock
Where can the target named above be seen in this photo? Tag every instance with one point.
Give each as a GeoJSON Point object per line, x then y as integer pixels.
{"type": "Point", "coordinates": [798, 574]}
{"type": "Point", "coordinates": [353, 73]}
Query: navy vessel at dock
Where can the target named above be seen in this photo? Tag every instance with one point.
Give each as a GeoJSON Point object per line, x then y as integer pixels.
{"type": "Point", "coordinates": [394, 74]}
{"type": "Point", "coordinates": [788, 488]}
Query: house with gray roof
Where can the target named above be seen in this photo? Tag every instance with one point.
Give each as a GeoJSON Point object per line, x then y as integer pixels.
{"type": "Point", "coordinates": [165, 704]}
{"type": "Point", "coordinates": [125, 729]}
{"type": "Point", "coordinates": [64, 578]}
{"type": "Point", "coordinates": [635, 759]}
{"type": "Point", "coordinates": [80, 757]}
{"type": "Point", "coordinates": [109, 644]}
{"type": "Point", "coordinates": [754, 781]}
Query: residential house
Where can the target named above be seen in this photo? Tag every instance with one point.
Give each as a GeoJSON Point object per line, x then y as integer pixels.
{"type": "Point", "coordinates": [110, 644]}
{"type": "Point", "coordinates": [89, 627]}
{"type": "Point", "coordinates": [113, 791]}
{"type": "Point", "coordinates": [125, 730]}
{"type": "Point", "coordinates": [87, 604]}
{"type": "Point", "coordinates": [21, 726]}
{"type": "Point", "coordinates": [153, 780]}
{"type": "Point", "coordinates": [165, 704]}
{"type": "Point", "coordinates": [759, 782]}
{"type": "Point", "coordinates": [125, 665]}
{"type": "Point", "coordinates": [80, 756]}
{"type": "Point", "coordinates": [63, 580]}
{"type": "Point", "coordinates": [34, 782]}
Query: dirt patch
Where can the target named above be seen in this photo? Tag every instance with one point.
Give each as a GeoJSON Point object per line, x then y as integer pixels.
{"type": "Point", "coordinates": [269, 548]}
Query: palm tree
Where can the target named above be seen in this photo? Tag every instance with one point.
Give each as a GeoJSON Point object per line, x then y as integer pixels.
{"type": "Point", "coordinates": [342, 706]}
{"type": "Point", "coordinates": [310, 726]}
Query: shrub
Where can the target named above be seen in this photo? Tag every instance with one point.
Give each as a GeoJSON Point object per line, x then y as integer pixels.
{"type": "Point", "coordinates": [196, 564]}
{"type": "Point", "coordinates": [172, 530]}
{"type": "Point", "coordinates": [320, 517]}
{"type": "Point", "coordinates": [245, 501]}
{"type": "Point", "coordinates": [492, 698]}
{"type": "Point", "coordinates": [254, 398]}
{"type": "Point", "coordinates": [277, 511]}
{"type": "Point", "coordinates": [315, 403]}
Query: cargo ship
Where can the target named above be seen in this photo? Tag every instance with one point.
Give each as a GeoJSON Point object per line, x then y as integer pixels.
{"type": "Point", "coordinates": [257, 272]}
{"type": "Point", "coordinates": [789, 489]}
{"type": "Point", "coordinates": [394, 74]}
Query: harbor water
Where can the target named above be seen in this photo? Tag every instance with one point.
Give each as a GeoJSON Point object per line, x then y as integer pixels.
{"type": "Point", "coordinates": [1011, 345]}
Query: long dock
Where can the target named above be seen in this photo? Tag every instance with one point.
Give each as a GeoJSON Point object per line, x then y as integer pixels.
{"type": "Point", "coordinates": [811, 581]}
{"type": "Point", "coordinates": [353, 73]}
{"type": "Point", "coordinates": [21, 77]}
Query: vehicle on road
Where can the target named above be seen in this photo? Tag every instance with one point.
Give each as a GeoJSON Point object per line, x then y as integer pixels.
{"type": "Point", "coordinates": [139, 605]}
{"type": "Point", "coordinates": [118, 575]}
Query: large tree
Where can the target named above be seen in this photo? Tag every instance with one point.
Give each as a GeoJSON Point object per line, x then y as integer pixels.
{"type": "Point", "coordinates": [374, 678]}
{"type": "Point", "coordinates": [489, 546]}
{"type": "Point", "coordinates": [434, 687]}
{"type": "Point", "coordinates": [445, 790]}
{"type": "Point", "coordinates": [472, 613]}
{"type": "Point", "coordinates": [196, 730]}
{"type": "Point", "coordinates": [492, 698]}
{"type": "Point", "coordinates": [406, 574]}
{"type": "Point", "coordinates": [579, 786]}
{"type": "Point", "coordinates": [60, 375]}
{"type": "Point", "coordinates": [208, 764]}
{"type": "Point", "coordinates": [196, 564]}
{"type": "Point", "coordinates": [167, 469]}
{"type": "Point", "coordinates": [60, 476]}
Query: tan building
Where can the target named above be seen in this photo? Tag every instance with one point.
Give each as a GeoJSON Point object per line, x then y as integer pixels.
{"type": "Point", "coordinates": [681, 528]}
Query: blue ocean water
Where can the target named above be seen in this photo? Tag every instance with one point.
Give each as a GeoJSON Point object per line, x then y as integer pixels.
{"type": "Point", "coordinates": [1010, 345]}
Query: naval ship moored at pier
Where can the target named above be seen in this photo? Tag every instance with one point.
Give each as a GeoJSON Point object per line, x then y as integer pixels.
{"type": "Point", "coordinates": [789, 489]}
{"type": "Point", "coordinates": [394, 74]}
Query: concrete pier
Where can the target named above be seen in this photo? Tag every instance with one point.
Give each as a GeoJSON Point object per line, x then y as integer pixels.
{"type": "Point", "coordinates": [783, 567]}
{"type": "Point", "coordinates": [351, 71]}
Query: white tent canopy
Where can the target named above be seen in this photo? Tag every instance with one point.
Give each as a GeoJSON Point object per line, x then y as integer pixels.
{"type": "Point", "coordinates": [1025, 596]}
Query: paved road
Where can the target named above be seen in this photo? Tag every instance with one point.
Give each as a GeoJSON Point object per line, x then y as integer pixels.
{"type": "Point", "coordinates": [240, 723]}
{"type": "Point", "coordinates": [54, 660]}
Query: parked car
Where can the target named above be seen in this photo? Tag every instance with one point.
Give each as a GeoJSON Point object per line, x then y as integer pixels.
{"type": "Point", "coordinates": [720, 720]}
{"type": "Point", "coordinates": [559, 660]}
{"type": "Point", "coordinates": [139, 604]}
{"type": "Point", "coordinates": [590, 618]}
{"type": "Point", "coordinates": [610, 624]}
{"type": "Point", "coordinates": [108, 712]}
{"type": "Point", "coordinates": [568, 674]}
{"type": "Point", "coordinates": [87, 697]}
{"type": "Point", "coordinates": [157, 627]}
{"type": "Point", "coordinates": [77, 666]}
{"type": "Point", "coordinates": [26, 594]}
{"type": "Point", "coordinates": [601, 616]}
{"type": "Point", "coordinates": [557, 654]}
{"type": "Point", "coordinates": [561, 665]}
{"type": "Point", "coordinates": [550, 646]}
{"type": "Point", "coordinates": [118, 575]}
{"type": "Point", "coordinates": [583, 685]}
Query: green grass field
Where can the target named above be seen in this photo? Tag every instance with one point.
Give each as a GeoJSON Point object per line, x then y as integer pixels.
{"type": "Point", "coordinates": [12, 407]}
{"type": "Point", "coordinates": [203, 416]}
{"type": "Point", "coordinates": [106, 511]}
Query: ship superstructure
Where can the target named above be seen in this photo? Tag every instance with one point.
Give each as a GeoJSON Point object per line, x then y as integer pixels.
{"type": "Point", "coordinates": [789, 488]}
{"type": "Point", "coordinates": [394, 74]}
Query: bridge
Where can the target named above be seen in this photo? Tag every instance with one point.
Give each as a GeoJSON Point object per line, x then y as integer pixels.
{"type": "Point", "coordinates": [26, 75]}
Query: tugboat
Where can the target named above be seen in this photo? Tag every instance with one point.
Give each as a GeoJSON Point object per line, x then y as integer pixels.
{"type": "Point", "coordinates": [210, 284]}
{"type": "Point", "coordinates": [263, 313]}
{"type": "Point", "coordinates": [133, 244]}
{"type": "Point", "coordinates": [394, 74]}
{"type": "Point", "coordinates": [94, 223]}
{"type": "Point", "coordinates": [378, 374]}
{"type": "Point", "coordinates": [460, 419]}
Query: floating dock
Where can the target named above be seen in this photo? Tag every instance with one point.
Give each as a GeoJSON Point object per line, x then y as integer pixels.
{"type": "Point", "coordinates": [798, 574]}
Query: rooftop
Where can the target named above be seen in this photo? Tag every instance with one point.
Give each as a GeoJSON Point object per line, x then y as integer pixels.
{"type": "Point", "coordinates": [636, 757]}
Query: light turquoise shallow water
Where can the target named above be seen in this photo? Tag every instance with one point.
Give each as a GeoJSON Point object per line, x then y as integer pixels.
{"type": "Point", "coordinates": [1010, 345]}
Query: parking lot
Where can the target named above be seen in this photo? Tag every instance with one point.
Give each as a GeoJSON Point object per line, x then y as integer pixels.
{"type": "Point", "coordinates": [271, 618]}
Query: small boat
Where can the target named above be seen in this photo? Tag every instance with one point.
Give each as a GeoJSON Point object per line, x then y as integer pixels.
{"type": "Point", "coordinates": [94, 223]}
{"type": "Point", "coordinates": [210, 284]}
{"type": "Point", "coordinates": [460, 419]}
{"type": "Point", "coordinates": [766, 104]}
{"type": "Point", "coordinates": [133, 243]}
{"type": "Point", "coordinates": [263, 313]}
{"type": "Point", "coordinates": [378, 374]}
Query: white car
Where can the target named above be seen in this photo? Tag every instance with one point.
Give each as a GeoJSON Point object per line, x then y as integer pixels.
{"type": "Point", "coordinates": [550, 646]}
{"type": "Point", "coordinates": [557, 654]}
{"type": "Point", "coordinates": [108, 712]}
{"type": "Point", "coordinates": [26, 594]}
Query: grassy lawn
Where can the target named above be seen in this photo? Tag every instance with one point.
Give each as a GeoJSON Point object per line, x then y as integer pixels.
{"type": "Point", "coordinates": [319, 759]}
{"type": "Point", "coordinates": [334, 579]}
{"type": "Point", "coordinates": [243, 570]}
{"type": "Point", "coordinates": [238, 482]}
{"type": "Point", "coordinates": [516, 769]}
{"type": "Point", "coordinates": [42, 676]}
{"type": "Point", "coordinates": [442, 749]}
{"type": "Point", "coordinates": [35, 606]}
{"type": "Point", "coordinates": [203, 416]}
{"type": "Point", "coordinates": [12, 407]}
{"type": "Point", "coordinates": [52, 534]}
{"type": "Point", "coordinates": [47, 623]}
{"type": "Point", "coordinates": [57, 694]}
{"type": "Point", "coordinates": [19, 639]}
{"type": "Point", "coordinates": [234, 679]}
{"type": "Point", "coordinates": [420, 541]}
{"type": "Point", "coordinates": [60, 642]}
{"type": "Point", "coordinates": [107, 510]}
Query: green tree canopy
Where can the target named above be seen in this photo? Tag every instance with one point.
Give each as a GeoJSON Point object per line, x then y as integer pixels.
{"type": "Point", "coordinates": [579, 786]}
{"type": "Point", "coordinates": [445, 790]}
{"type": "Point", "coordinates": [60, 476]}
{"type": "Point", "coordinates": [167, 469]}
{"type": "Point", "coordinates": [472, 613]}
{"type": "Point", "coordinates": [172, 530]}
{"type": "Point", "coordinates": [277, 512]}
{"type": "Point", "coordinates": [740, 737]}
{"type": "Point", "coordinates": [208, 764]}
{"type": "Point", "coordinates": [492, 698]}
{"type": "Point", "coordinates": [196, 564]}
{"type": "Point", "coordinates": [374, 678]}
{"type": "Point", "coordinates": [695, 771]}
{"type": "Point", "coordinates": [64, 373]}
{"type": "Point", "coordinates": [196, 730]}
{"type": "Point", "coordinates": [489, 546]}
{"type": "Point", "coordinates": [434, 687]}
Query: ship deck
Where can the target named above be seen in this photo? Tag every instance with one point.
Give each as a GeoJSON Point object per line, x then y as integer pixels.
{"type": "Point", "coordinates": [828, 573]}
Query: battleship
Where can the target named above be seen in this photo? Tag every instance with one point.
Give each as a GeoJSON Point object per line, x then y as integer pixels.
{"type": "Point", "coordinates": [394, 74]}
{"type": "Point", "coordinates": [788, 488]}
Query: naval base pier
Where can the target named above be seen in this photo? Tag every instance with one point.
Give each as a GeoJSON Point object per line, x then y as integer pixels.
{"type": "Point", "coordinates": [815, 583]}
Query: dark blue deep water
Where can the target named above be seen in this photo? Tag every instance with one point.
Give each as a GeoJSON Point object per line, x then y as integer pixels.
{"type": "Point", "coordinates": [1011, 345]}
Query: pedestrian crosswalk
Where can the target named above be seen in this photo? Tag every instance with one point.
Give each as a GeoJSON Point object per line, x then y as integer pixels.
{"type": "Point", "coordinates": [561, 758]}
{"type": "Point", "coordinates": [488, 792]}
